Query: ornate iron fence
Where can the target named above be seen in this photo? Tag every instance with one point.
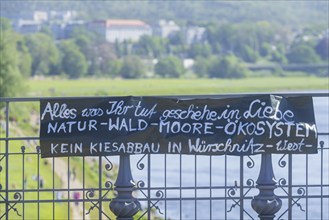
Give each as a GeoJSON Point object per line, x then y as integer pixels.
{"type": "Point", "coordinates": [165, 186]}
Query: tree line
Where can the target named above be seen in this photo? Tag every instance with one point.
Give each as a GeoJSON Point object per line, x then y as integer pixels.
{"type": "Point", "coordinates": [224, 53]}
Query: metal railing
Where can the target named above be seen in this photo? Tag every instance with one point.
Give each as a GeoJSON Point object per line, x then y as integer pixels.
{"type": "Point", "coordinates": [165, 187]}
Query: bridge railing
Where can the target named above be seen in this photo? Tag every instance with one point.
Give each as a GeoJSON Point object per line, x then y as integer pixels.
{"type": "Point", "coordinates": [157, 186]}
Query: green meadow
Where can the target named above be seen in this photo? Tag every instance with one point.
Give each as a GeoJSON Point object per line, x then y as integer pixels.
{"type": "Point", "coordinates": [120, 87]}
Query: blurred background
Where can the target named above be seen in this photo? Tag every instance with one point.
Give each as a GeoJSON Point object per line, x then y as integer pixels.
{"type": "Point", "coordinates": [44, 42]}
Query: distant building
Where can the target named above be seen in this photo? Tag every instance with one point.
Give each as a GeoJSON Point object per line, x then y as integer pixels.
{"type": "Point", "coordinates": [40, 16]}
{"type": "Point", "coordinates": [64, 30]}
{"type": "Point", "coordinates": [120, 30]}
{"type": "Point", "coordinates": [64, 16]}
{"type": "Point", "coordinates": [59, 22]}
{"type": "Point", "coordinates": [195, 35]}
{"type": "Point", "coordinates": [166, 29]}
{"type": "Point", "coordinates": [27, 26]}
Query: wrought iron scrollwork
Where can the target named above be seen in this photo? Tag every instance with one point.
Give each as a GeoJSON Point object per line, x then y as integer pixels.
{"type": "Point", "coordinates": [140, 165]}
{"type": "Point", "coordinates": [2, 157]}
{"type": "Point", "coordinates": [159, 194]}
{"type": "Point", "coordinates": [282, 182]}
{"type": "Point", "coordinates": [250, 163]}
{"type": "Point", "coordinates": [109, 165]}
{"type": "Point", "coordinates": [282, 163]}
{"type": "Point", "coordinates": [91, 193]}
{"type": "Point", "coordinates": [232, 191]}
{"type": "Point", "coordinates": [18, 198]}
{"type": "Point", "coordinates": [300, 191]}
{"type": "Point", "coordinates": [140, 184]}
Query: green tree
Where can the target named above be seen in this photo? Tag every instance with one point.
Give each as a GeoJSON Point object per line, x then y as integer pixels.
{"type": "Point", "coordinates": [5, 24]}
{"type": "Point", "coordinates": [248, 54]}
{"type": "Point", "coordinates": [303, 54]}
{"type": "Point", "coordinates": [10, 78]}
{"type": "Point", "coordinates": [322, 48]}
{"type": "Point", "coordinates": [228, 67]}
{"type": "Point", "coordinates": [24, 56]}
{"type": "Point", "coordinates": [202, 50]}
{"type": "Point", "coordinates": [74, 63]}
{"type": "Point", "coordinates": [45, 55]}
{"type": "Point", "coordinates": [202, 65]}
{"type": "Point", "coordinates": [170, 67]}
{"type": "Point", "coordinates": [132, 68]}
{"type": "Point", "coordinates": [150, 46]}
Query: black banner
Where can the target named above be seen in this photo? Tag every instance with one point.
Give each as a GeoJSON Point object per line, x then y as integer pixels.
{"type": "Point", "coordinates": [152, 125]}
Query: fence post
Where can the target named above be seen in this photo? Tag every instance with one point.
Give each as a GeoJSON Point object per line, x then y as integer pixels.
{"type": "Point", "coordinates": [266, 203]}
{"type": "Point", "coordinates": [124, 206]}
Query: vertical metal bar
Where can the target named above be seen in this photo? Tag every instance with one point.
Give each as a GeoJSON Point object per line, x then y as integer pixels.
{"type": "Point", "coordinates": [23, 178]}
{"type": "Point", "coordinates": [38, 193]}
{"type": "Point", "coordinates": [225, 180]}
{"type": "Point", "coordinates": [241, 187]}
{"type": "Point", "coordinates": [68, 188]}
{"type": "Point", "coordinates": [7, 159]}
{"type": "Point", "coordinates": [180, 186]}
{"type": "Point", "coordinates": [54, 188]}
{"type": "Point", "coordinates": [165, 185]}
{"type": "Point", "coordinates": [321, 180]}
{"type": "Point", "coordinates": [290, 186]}
{"type": "Point", "coordinates": [100, 187]}
{"type": "Point", "coordinates": [306, 212]}
{"type": "Point", "coordinates": [149, 185]}
{"type": "Point", "coordinates": [83, 187]}
{"type": "Point", "coordinates": [195, 187]}
{"type": "Point", "coordinates": [210, 180]}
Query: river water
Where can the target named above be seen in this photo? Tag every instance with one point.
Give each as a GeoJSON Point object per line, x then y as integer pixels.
{"type": "Point", "coordinates": [206, 171]}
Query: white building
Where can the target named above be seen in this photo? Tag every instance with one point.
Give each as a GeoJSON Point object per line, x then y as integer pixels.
{"type": "Point", "coordinates": [166, 29]}
{"type": "Point", "coordinates": [120, 30]}
{"type": "Point", "coordinates": [195, 34]}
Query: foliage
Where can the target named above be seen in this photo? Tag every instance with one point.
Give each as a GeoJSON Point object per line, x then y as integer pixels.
{"type": "Point", "coordinates": [150, 47]}
{"type": "Point", "coordinates": [132, 68]}
{"type": "Point", "coordinates": [322, 48]}
{"type": "Point", "coordinates": [303, 54]}
{"type": "Point", "coordinates": [74, 63]}
{"type": "Point", "coordinates": [10, 77]}
{"type": "Point", "coordinates": [227, 67]}
{"type": "Point", "coordinates": [248, 54]}
{"type": "Point", "coordinates": [24, 56]}
{"type": "Point", "coordinates": [5, 24]}
{"type": "Point", "coordinates": [202, 65]}
{"type": "Point", "coordinates": [169, 67]}
{"type": "Point", "coordinates": [246, 36]}
{"type": "Point", "coordinates": [45, 55]}
{"type": "Point", "coordinates": [199, 50]}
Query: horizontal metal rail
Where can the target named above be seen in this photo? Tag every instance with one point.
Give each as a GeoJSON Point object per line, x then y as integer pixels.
{"type": "Point", "coordinates": [167, 186]}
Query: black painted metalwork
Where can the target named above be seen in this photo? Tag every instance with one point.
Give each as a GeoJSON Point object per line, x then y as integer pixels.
{"type": "Point", "coordinates": [125, 206]}
{"type": "Point", "coordinates": [266, 203]}
{"type": "Point", "coordinates": [168, 186]}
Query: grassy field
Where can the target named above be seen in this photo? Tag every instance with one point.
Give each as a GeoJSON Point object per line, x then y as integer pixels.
{"type": "Point", "coordinates": [118, 87]}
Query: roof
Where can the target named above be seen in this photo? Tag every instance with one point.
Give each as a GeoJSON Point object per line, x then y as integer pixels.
{"type": "Point", "coordinates": [121, 22]}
